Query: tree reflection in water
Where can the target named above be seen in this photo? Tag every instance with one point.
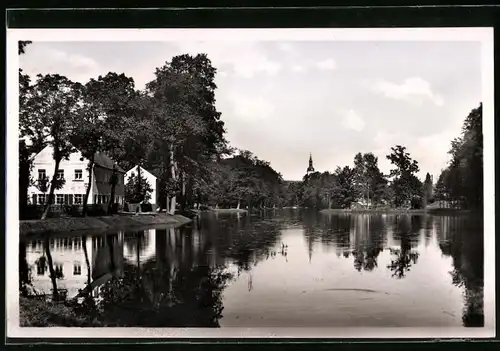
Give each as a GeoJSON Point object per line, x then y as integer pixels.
{"type": "Point", "coordinates": [406, 229]}
{"type": "Point", "coordinates": [462, 239]}
{"type": "Point", "coordinates": [368, 243]}
{"type": "Point", "coordinates": [24, 271]}
{"type": "Point", "coordinates": [174, 288]}
{"type": "Point", "coordinates": [359, 236]}
{"type": "Point", "coordinates": [245, 242]}
{"type": "Point", "coordinates": [176, 277]}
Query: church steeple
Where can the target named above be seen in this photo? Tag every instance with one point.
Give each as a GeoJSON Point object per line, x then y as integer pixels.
{"type": "Point", "coordinates": [310, 169]}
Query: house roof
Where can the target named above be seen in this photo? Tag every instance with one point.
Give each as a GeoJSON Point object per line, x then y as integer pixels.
{"type": "Point", "coordinates": [103, 160]}
{"type": "Point", "coordinates": [134, 169]}
{"type": "Point", "coordinates": [100, 159]}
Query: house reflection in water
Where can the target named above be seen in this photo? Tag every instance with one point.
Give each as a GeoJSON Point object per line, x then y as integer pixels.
{"type": "Point", "coordinates": [69, 264]}
{"type": "Point", "coordinates": [77, 261]}
{"type": "Point", "coordinates": [88, 262]}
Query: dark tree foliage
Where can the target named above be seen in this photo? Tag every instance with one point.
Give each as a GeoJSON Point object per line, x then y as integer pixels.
{"type": "Point", "coordinates": [22, 46]}
{"type": "Point", "coordinates": [407, 188]}
{"type": "Point", "coordinates": [461, 183]}
{"type": "Point", "coordinates": [137, 189]}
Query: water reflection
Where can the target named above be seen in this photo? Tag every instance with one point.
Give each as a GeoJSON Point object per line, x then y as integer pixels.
{"type": "Point", "coordinates": [224, 267]}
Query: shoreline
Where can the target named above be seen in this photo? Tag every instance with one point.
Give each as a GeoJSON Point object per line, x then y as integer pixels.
{"type": "Point", "coordinates": [101, 223]}
{"type": "Point", "coordinates": [226, 210]}
{"type": "Point", "coordinates": [444, 211]}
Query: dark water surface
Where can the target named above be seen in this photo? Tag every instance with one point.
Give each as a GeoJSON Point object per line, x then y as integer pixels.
{"type": "Point", "coordinates": [281, 269]}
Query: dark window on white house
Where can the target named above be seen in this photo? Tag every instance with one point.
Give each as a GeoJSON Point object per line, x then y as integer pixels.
{"type": "Point", "coordinates": [78, 199]}
{"type": "Point", "coordinates": [40, 267]}
{"type": "Point", "coordinates": [77, 268]}
{"type": "Point", "coordinates": [58, 269]}
{"type": "Point", "coordinates": [42, 174]}
{"type": "Point", "coordinates": [78, 174]}
{"type": "Point", "coordinates": [41, 199]}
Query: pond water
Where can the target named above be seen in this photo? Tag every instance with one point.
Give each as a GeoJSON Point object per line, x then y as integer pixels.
{"type": "Point", "coordinates": [279, 269]}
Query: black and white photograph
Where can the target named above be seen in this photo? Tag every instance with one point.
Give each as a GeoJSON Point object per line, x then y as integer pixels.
{"type": "Point", "coordinates": [260, 182]}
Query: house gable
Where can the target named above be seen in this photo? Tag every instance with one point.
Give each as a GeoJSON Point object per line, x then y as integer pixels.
{"type": "Point", "coordinates": [45, 157]}
{"type": "Point", "coordinates": [144, 172]}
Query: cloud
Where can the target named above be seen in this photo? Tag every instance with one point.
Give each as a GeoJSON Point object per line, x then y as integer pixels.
{"type": "Point", "coordinates": [353, 121]}
{"type": "Point", "coordinates": [431, 151]}
{"type": "Point", "coordinates": [47, 60]}
{"type": "Point", "coordinates": [413, 89]}
{"type": "Point", "coordinates": [286, 47]}
{"type": "Point", "coordinates": [328, 64]}
{"type": "Point", "coordinates": [246, 59]}
{"type": "Point", "coordinates": [297, 68]}
{"type": "Point", "coordinates": [251, 108]}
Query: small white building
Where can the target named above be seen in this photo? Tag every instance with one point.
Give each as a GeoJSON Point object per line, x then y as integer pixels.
{"type": "Point", "coordinates": [75, 173]}
{"type": "Point", "coordinates": [151, 179]}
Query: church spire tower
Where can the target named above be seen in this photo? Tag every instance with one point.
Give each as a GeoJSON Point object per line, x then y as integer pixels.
{"type": "Point", "coordinates": [310, 169]}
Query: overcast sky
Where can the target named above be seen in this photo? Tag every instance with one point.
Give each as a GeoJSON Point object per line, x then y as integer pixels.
{"type": "Point", "coordinates": [284, 100]}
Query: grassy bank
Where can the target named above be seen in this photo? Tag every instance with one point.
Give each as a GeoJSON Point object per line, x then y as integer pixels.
{"type": "Point", "coordinates": [52, 225]}
{"type": "Point", "coordinates": [434, 211]}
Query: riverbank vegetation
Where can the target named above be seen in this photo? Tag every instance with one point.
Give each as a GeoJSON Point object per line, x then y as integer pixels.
{"type": "Point", "coordinates": [173, 129]}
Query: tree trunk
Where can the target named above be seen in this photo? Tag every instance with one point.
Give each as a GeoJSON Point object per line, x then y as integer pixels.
{"type": "Point", "coordinates": [173, 169]}
{"type": "Point", "coordinates": [114, 178]}
{"type": "Point", "coordinates": [87, 191]}
{"type": "Point", "coordinates": [111, 251]}
{"type": "Point", "coordinates": [139, 193]}
{"type": "Point", "coordinates": [52, 188]}
{"type": "Point", "coordinates": [138, 247]}
{"type": "Point", "coordinates": [52, 272]}
{"type": "Point", "coordinates": [329, 203]}
{"type": "Point", "coordinates": [87, 261]}
{"type": "Point", "coordinates": [23, 269]}
{"type": "Point", "coordinates": [182, 176]}
{"type": "Point", "coordinates": [238, 206]}
{"type": "Point", "coordinates": [24, 177]}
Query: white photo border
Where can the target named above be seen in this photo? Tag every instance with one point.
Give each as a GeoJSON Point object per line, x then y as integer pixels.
{"type": "Point", "coordinates": [483, 35]}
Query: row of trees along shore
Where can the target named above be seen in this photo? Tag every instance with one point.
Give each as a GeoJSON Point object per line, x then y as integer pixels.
{"type": "Point", "coordinates": [173, 129]}
{"type": "Point", "coordinates": [460, 184]}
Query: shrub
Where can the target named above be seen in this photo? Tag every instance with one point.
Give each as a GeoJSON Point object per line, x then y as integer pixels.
{"type": "Point", "coordinates": [146, 208]}
{"type": "Point", "coordinates": [416, 203]}
{"type": "Point", "coordinates": [95, 210]}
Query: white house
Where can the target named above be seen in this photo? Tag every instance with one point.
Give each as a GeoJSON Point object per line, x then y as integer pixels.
{"type": "Point", "coordinates": [76, 175]}
{"type": "Point", "coordinates": [151, 179]}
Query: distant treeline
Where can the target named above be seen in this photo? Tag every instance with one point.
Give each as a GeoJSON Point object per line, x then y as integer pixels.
{"type": "Point", "coordinates": [460, 185]}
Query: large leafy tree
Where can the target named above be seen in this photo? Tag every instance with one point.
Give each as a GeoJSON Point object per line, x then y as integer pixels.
{"type": "Point", "coordinates": [89, 132]}
{"type": "Point", "coordinates": [186, 85]}
{"type": "Point", "coordinates": [370, 183]}
{"type": "Point", "coordinates": [345, 191]}
{"type": "Point", "coordinates": [405, 184]}
{"type": "Point", "coordinates": [462, 181]}
{"type": "Point", "coordinates": [53, 111]}
{"type": "Point", "coordinates": [113, 95]}
{"type": "Point", "coordinates": [174, 123]}
{"type": "Point", "coordinates": [31, 140]}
